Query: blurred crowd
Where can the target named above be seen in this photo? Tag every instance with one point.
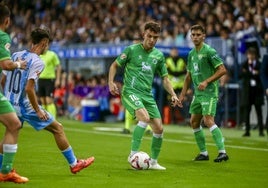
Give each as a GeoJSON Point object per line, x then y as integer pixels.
{"type": "Point", "coordinates": [116, 21]}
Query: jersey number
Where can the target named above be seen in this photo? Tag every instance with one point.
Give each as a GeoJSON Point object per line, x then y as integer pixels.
{"type": "Point", "coordinates": [14, 84]}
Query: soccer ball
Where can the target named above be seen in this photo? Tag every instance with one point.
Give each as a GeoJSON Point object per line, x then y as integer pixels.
{"type": "Point", "coordinates": [140, 161]}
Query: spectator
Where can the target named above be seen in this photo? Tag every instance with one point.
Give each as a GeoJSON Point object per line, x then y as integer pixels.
{"type": "Point", "coordinates": [264, 76]}
{"type": "Point", "coordinates": [252, 90]}
{"type": "Point", "coordinates": [176, 67]}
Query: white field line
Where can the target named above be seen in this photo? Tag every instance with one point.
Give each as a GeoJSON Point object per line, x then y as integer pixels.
{"type": "Point", "coordinates": [165, 139]}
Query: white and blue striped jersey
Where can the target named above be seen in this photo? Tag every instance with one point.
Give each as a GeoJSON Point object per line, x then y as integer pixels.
{"type": "Point", "coordinates": [15, 84]}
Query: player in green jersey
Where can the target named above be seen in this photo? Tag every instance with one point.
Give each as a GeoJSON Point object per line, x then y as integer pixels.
{"type": "Point", "coordinates": [8, 117]}
{"type": "Point", "coordinates": [142, 61]}
{"type": "Point", "coordinates": [204, 69]}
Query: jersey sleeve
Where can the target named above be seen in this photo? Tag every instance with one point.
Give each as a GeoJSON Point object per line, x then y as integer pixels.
{"type": "Point", "coordinates": [4, 47]}
{"type": "Point", "coordinates": [214, 58]}
{"type": "Point", "coordinates": [123, 58]}
{"type": "Point", "coordinates": [36, 68]}
{"type": "Point", "coordinates": [163, 67]}
{"type": "Point", "coordinates": [56, 59]}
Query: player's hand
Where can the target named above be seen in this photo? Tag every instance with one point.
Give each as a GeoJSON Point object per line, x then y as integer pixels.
{"type": "Point", "coordinates": [42, 115]}
{"type": "Point", "coordinates": [22, 64]}
{"type": "Point", "coordinates": [180, 100]}
{"type": "Point", "coordinates": [113, 89]}
{"type": "Point", "coordinates": [202, 86]}
{"type": "Point", "coordinates": [174, 101]}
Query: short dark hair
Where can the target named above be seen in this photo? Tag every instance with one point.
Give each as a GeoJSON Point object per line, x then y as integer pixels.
{"type": "Point", "coordinates": [198, 27]}
{"type": "Point", "coordinates": [39, 34]}
{"type": "Point", "coordinates": [252, 50]}
{"type": "Point", "coordinates": [153, 26]}
{"type": "Point", "coordinates": [4, 12]}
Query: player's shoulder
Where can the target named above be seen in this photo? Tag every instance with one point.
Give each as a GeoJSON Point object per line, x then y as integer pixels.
{"type": "Point", "coordinates": [207, 47]}
{"type": "Point", "coordinates": [4, 35]}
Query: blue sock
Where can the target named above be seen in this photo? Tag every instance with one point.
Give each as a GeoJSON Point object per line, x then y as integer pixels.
{"type": "Point", "coordinates": [1, 160]}
{"type": "Point", "coordinates": [69, 156]}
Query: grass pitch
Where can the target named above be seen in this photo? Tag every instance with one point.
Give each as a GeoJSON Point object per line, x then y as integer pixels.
{"type": "Point", "coordinates": [39, 159]}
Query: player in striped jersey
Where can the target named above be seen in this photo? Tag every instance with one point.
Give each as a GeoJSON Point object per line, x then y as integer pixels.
{"type": "Point", "coordinates": [20, 89]}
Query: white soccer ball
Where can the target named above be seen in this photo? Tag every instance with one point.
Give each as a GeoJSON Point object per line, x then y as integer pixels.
{"type": "Point", "coordinates": [140, 161]}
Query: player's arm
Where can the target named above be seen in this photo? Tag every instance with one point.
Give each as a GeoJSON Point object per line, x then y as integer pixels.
{"type": "Point", "coordinates": [3, 81]}
{"type": "Point", "coordinates": [112, 86]}
{"type": "Point", "coordinates": [58, 75]}
{"type": "Point", "coordinates": [30, 90]}
{"type": "Point", "coordinates": [8, 64]}
{"type": "Point", "coordinates": [186, 86]}
{"type": "Point", "coordinates": [168, 87]}
{"type": "Point", "coordinates": [220, 71]}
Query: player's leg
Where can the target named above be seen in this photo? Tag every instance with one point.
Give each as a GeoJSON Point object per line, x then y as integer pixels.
{"type": "Point", "coordinates": [128, 122]}
{"type": "Point", "coordinates": [199, 136]}
{"type": "Point", "coordinates": [46, 91]}
{"type": "Point", "coordinates": [209, 111]}
{"type": "Point", "coordinates": [195, 122]}
{"type": "Point", "coordinates": [8, 148]}
{"type": "Point", "coordinates": [138, 132]}
{"type": "Point", "coordinates": [63, 144]}
{"type": "Point", "coordinates": [51, 107]}
{"type": "Point", "coordinates": [156, 144]}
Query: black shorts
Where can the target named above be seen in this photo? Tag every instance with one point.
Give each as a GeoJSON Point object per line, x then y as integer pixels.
{"type": "Point", "coordinates": [46, 87]}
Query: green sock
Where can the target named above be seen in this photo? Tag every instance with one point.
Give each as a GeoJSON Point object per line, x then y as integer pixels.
{"type": "Point", "coordinates": [136, 138]}
{"type": "Point", "coordinates": [51, 108]}
{"type": "Point", "coordinates": [200, 140]}
{"type": "Point", "coordinates": [218, 138]}
{"type": "Point", "coordinates": [8, 157]}
{"type": "Point", "coordinates": [156, 146]}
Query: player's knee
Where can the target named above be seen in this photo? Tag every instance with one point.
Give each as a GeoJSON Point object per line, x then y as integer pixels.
{"type": "Point", "coordinates": [14, 125]}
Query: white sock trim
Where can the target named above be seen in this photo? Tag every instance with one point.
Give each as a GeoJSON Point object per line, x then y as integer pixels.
{"type": "Point", "coordinates": [142, 124]}
{"type": "Point", "coordinates": [10, 148]}
{"type": "Point", "coordinates": [197, 129]}
{"type": "Point", "coordinates": [158, 135]}
{"type": "Point", "coordinates": [213, 127]}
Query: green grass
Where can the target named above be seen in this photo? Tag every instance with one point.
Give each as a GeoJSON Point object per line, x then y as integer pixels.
{"type": "Point", "coordinates": [39, 159]}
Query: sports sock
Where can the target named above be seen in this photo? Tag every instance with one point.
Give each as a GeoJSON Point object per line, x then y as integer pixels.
{"type": "Point", "coordinates": [148, 128]}
{"type": "Point", "coordinates": [156, 145]}
{"type": "Point", "coordinates": [9, 151]}
{"type": "Point", "coordinates": [44, 106]}
{"type": "Point", "coordinates": [51, 108]}
{"type": "Point", "coordinates": [200, 139]}
{"type": "Point", "coordinates": [218, 138]}
{"type": "Point", "coordinates": [128, 120]}
{"type": "Point", "coordinates": [137, 135]}
{"type": "Point", "coordinates": [69, 156]}
{"type": "Point", "coordinates": [1, 160]}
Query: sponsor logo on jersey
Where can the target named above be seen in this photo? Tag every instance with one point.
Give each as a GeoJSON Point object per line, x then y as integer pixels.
{"type": "Point", "coordinates": [145, 67]}
{"type": "Point", "coordinates": [7, 46]}
{"type": "Point", "coordinates": [123, 56]}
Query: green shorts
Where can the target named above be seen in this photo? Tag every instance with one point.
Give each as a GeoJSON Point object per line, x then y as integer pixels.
{"type": "Point", "coordinates": [204, 105]}
{"type": "Point", "coordinates": [5, 106]}
{"type": "Point", "coordinates": [133, 101]}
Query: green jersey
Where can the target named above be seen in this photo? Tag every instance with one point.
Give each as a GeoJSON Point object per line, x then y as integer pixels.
{"type": "Point", "coordinates": [51, 61]}
{"type": "Point", "coordinates": [5, 106]}
{"type": "Point", "coordinates": [4, 46]}
{"type": "Point", "coordinates": [201, 65]}
{"type": "Point", "coordinates": [140, 67]}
